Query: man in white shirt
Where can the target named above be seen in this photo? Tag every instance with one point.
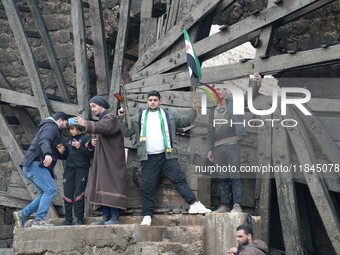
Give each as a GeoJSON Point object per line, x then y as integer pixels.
{"type": "Point", "coordinates": [155, 130]}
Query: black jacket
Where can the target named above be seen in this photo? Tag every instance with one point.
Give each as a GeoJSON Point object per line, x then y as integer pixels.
{"type": "Point", "coordinates": [45, 142]}
{"type": "Point", "coordinates": [77, 158]}
{"type": "Point", "coordinates": [228, 131]}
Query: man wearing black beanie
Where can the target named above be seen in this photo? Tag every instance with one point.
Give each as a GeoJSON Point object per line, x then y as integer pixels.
{"type": "Point", "coordinates": [107, 180]}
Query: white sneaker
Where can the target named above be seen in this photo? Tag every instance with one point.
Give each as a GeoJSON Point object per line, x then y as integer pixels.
{"type": "Point", "coordinates": [197, 207]}
{"type": "Point", "coordinates": [146, 220]}
{"type": "Point", "coordinates": [236, 209]}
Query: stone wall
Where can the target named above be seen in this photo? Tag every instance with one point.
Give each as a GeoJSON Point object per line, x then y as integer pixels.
{"type": "Point", "coordinates": [6, 227]}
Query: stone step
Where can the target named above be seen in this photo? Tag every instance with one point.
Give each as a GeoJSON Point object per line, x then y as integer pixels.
{"type": "Point", "coordinates": [123, 236]}
{"type": "Point", "coordinates": [169, 248]}
{"type": "Point", "coordinates": [6, 251]}
{"type": "Point", "coordinates": [169, 234]}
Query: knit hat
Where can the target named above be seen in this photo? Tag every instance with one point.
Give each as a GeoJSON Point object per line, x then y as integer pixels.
{"type": "Point", "coordinates": [101, 101]}
{"type": "Point", "coordinates": [60, 115]}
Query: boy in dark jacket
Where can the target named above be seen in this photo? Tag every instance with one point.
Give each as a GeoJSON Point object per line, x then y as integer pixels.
{"type": "Point", "coordinates": [78, 159]}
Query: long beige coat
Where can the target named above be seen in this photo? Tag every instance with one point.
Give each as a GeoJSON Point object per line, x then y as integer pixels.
{"type": "Point", "coordinates": [107, 180]}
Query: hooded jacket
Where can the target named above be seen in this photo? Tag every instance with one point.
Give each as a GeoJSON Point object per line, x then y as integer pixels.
{"type": "Point", "coordinates": [257, 247]}
{"type": "Point", "coordinates": [77, 158]}
{"type": "Point", "coordinates": [44, 143]}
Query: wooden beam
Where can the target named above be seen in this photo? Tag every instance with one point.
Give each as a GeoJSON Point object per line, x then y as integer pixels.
{"type": "Point", "coordinates": [331, 124]}
{"type": "Point", "coordinates": [285, 189]}
{"type": "Point", "coordinates": [271, 65]}
{"type": "Point", "coordinates": [4, 82]}
{"type": "Point", "coordinates": [317, 187]}
{"type": "Point", "coordinates": [220, 42]}
{"type": "Point", "coordinates": [117, 78]}
{"type": "Point", "coordinates": [324, 105]}
{"type": "Point", "coordinates": [21, 99]}
{"type": "Point", "coordinates": [51, 54]}
{"type": "Point", "coordinates": [25, 121]}
{"type": "Point", "coordinates": [9, 201]}
{"type": "Point", "coordinates": [175, 33]}
{"type": "Point", "coordinates": [263, 183]}
{"type": "Point", "coordinates": [13, 149]}
{"type": "Point", "coordinates": [99, 48]}
{"type": "Point", "coordinates": [82, 74]}
{"type": "Point", "coordinates": [174, 98]}
{"type": "Point", "coordinates": [322, 137]}
{"type": "Point", "coordinates": [148, 27]}
{"type": "Point", "coordinates": [26, 54]}
{"type": "Point", "coordinates": [265, 37]}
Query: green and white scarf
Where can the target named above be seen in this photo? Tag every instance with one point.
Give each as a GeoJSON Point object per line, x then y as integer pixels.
{"type": "Point", "coordinates": [164, 127]}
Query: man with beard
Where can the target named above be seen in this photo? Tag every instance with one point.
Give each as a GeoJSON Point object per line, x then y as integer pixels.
{"type": "Point", "coordinates": [246, 244]}
{"type": "Point", "coordinates": [38, 164]}
{"type": "Point", "coordinates": [155, 130]}
{"type": "Point", "coordinates": [107, 180]}
{"type": "Point", "coordinates": [224, 142]}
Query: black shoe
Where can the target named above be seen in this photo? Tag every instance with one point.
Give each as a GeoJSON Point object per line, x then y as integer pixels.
{"type": "Point", "coordinates": [66, 223]}
{"type": "Point", "coordinates": [114, 220]}
{"type": "Point", "coordinates": [80, 222]}
{"type": "Point", "coordinates": [101, 222]}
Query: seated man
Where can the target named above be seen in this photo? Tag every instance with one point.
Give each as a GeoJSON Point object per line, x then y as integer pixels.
{"type": "Point", "coordinates": [155, 130]}
{"type": "Point", "coordinates": [246, 244]}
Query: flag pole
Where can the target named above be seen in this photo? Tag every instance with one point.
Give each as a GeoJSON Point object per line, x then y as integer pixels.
{"type": "Point", "coordinates": [195, 99]}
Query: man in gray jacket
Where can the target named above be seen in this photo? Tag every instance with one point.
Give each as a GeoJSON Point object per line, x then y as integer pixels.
{"type": "Point", "coordinates": [246, 244]}
{"type": "Point", "coordinates": [155, 130]}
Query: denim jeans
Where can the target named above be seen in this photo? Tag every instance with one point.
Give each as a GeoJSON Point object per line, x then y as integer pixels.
{"type": "Point", "coordinates": [41, 178]}
{"type": "Point", "coordinates": [231, 187]}
{"type": "Point", "coordinates": [109, 211]}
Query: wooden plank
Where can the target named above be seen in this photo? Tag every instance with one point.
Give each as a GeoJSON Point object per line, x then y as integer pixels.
{"type": "Point", "coordinates": [174, 98]}
{"type": "Point", "coordinates": [331, 125]}
{"type": "Point", "coordinates": [172, 20]}
{"type": "Point", "coordinates": [286, 192]}
{"type": "Point", "coordinates": [26, 122]}
{"type": "Point", "coordinates": [220, 42]}
{"type": "Point", "coordinates": [265, 37]}
{"type": "Point", "coordinates": [99, 48]}
{"type": "Point", "coordinates": [51, 54]}
{"type": "Point", "coordinates": [22, 99]}
{"type": "Point", "coordinates": [173, 34]}
{"type": "Point", "coordinates": [263, 183]}
{"type": "Point", "coordinates": [13, 149]}
{"type": "Point", "coordinates": [4, 82]}
{"type": "Point", "coordinates": [324, 105]}
{"type": "Point", "coordinates": [148, 27]}
{"type": "Point", "coordinates": [26, 54]}
{"type": "Point", "coordinates": [117, 78]}
{"type": "Point", "coordinates": [273, 65]}
{"type": "Point", "coordinates": [9, 201]}
{"type": "Point", "coordinates": [316, 127]}
{"type": "Point", "coordinates": [317, 186]}
{"type": "Point", "coordinates": [82, 74]}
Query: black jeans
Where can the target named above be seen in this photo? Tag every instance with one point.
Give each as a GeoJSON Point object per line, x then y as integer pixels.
{"type": "Point", "coordinates": [231, 186]}
{"type": "Point", "coordinates": [75, 180]}
{"type": "Point", "coordinates": [152, 169]}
